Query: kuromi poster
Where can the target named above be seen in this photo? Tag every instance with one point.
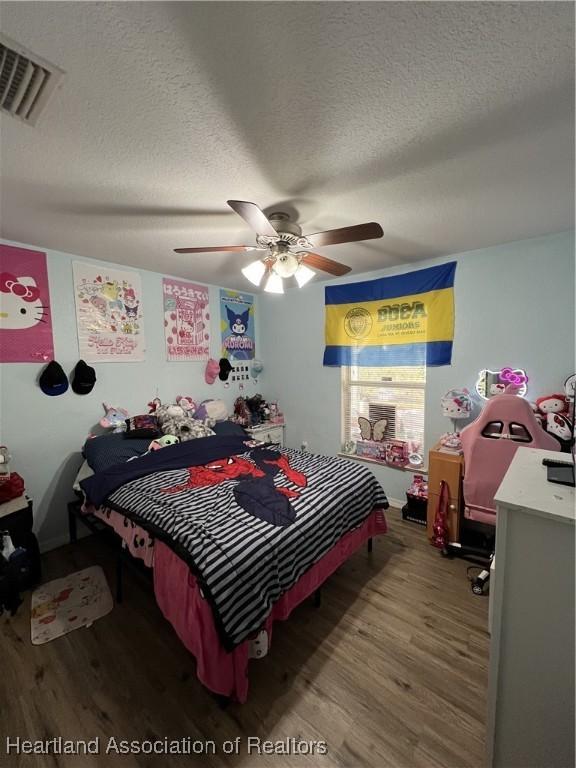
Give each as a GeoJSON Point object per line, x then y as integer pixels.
{"type": "Point", "coordinates": [109, 314]}
{"type": "Point", "coordinates": [25, 319]}
{"type": "Point", "coordinates": [237, 325]}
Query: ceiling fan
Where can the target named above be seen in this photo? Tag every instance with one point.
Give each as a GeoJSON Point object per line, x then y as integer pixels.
{"type": "Point", "coordinates": [287, 252]}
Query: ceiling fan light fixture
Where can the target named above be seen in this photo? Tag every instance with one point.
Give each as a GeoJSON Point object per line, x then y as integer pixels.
{"type": "Point", "coordinates": [274, 284]}
{"type": "Point", "coordinates": [303, 275]}
{"type": "Point", "coordinates": [255, 272]}
{"type": "Point", "coordinates": [286, 265]}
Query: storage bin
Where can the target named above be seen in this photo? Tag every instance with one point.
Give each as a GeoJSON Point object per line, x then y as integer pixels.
{"type": "Point", "coordinates": [415, 509]}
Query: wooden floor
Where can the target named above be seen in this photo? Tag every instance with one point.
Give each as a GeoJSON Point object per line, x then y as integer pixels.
{"type": "Point", "coordinates": [391, 670]}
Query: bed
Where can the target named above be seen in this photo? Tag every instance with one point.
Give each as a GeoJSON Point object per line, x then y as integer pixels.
{"type": "Point", "coordinates": [236, 535]}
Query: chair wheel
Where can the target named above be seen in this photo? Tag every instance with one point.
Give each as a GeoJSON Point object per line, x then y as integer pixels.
{"type": "Point", "coordinates": [478, 589]}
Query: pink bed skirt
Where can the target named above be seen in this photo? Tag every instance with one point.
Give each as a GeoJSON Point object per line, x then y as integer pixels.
{"type": "Point", "coordinates": [180, 600]}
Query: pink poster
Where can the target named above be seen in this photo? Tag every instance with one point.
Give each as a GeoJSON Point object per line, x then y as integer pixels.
{"type": "Point", "coordinates": [25, 320]}
{"type": "Point", "coordinates": [186, 320]}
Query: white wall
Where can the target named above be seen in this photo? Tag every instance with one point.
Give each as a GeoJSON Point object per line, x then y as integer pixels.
{"type": "Point", "coordinates": [45, 434]}
{"type": "Point", "coordinates": [514, 306]}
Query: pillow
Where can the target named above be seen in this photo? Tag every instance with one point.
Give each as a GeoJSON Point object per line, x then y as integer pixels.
{"type": "Point", "coordinates": [229, 428]}
{"type": "Point", "coordinates": [105, 451]}
{"type": "Point", "coordinates": [143, 426]}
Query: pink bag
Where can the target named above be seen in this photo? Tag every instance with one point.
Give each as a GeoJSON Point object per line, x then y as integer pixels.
{"type": "Point", "coordinates": [440, 527]}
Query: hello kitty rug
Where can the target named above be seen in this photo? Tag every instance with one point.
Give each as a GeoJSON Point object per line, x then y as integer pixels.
{"type": "Point", "coordinates": [69, 603]}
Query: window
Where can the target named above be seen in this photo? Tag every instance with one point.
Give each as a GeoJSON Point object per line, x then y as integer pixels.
{"type": "Point", "coordinates": [395, 394]}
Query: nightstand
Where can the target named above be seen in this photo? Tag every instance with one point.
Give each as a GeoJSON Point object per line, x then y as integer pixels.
{"type": "Point", "coordinates": [17, 518]}
{"type": "Point", "coordinates": [268, 433]}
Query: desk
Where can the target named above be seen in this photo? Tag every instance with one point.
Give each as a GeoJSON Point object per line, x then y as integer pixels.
{"type": "Point", "coordinates": [531, 685]}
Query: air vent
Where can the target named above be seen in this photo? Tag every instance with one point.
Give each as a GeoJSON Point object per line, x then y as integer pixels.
{"type": "Point", "coordinates": [378, 411]}
{"type": "Point", "coordinates": [26, 81]}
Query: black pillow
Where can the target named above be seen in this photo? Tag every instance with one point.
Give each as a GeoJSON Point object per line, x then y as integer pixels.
{"type": "Point", "coordinates": [229, 428]}
{"type": "Point", "coordinates": [105, 451]}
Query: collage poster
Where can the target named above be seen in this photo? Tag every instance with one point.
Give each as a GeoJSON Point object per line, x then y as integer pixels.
{"type": "Point", "coordinates": [109, 313]}
{"type": "Point", "coordinates": [186, 320]}
{"type": "Point", "coordinates": [237, 325]}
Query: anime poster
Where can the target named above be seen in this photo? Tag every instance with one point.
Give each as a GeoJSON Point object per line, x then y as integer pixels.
{"type": "Point", "coordinates": [25, 319]}
{"type": "Point", "coordinates": [186, 320]}
{"type": "Point", "coordinates": [237, 325]}
{"type": "Point", "coordinates": [108, 313]}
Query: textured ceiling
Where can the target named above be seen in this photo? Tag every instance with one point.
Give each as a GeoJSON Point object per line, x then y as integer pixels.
{"type": "Point", "coordinates": [451, 124]}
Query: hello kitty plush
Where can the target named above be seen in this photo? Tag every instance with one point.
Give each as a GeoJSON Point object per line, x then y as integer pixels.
{"type": "Point", "coordinates": [20, 303]}
{"type": "Point", "coordinates": [114, 417]}
{"type": "Point", "coordinates": [560, 427]}
{"type": "Point", "coordinates": [456, 404]}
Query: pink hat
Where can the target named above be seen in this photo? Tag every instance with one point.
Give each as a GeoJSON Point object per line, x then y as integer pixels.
{"type": "Point", "coordinates": [212, 371]}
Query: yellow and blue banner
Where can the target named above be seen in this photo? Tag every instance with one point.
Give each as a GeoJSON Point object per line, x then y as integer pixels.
{"type": "Point", "coordinates": [400, 320]}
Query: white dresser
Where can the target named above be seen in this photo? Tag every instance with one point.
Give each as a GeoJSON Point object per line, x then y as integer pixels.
{"type": "Point", "coordinates": [531, 687]}
{"type": "Point", "coordinates": [268, 433]}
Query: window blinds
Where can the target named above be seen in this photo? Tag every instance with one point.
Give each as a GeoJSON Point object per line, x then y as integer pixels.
{"type": "Point", "coordinates": [394, 393]}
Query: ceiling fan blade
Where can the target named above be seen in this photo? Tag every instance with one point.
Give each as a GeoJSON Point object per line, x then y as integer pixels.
{"type": "Point", "coordinates": [219, 249]}
{"type": "Point", "coordinates": [316, 261]}
{"type": "Point", "coordinates": [354, 234]}
{"type": "Point", "coordinates": [253, 216]}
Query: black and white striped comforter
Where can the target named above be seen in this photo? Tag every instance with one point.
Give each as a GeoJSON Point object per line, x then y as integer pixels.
{"type": "Point", "coordinates": [244, 563]}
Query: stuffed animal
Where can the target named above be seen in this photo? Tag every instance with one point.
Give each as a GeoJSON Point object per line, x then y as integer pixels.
{"type": "Point", "coordinates": [259, 410]}
{"type": "Point", "coordinates": [162, 442]}
{"type": "Point", "coordinates": [153, 405]}
{"type": "Point", "coordinates": [242, 413]}
{"type": "Point", "coordinates": [114, 417]}
{"type": "Point", "coordinates": [456, 404]}
{"type": "Point", "coordinates": [560, 427]}
{"type": "Point", "coordinates": [211, 411]}
{"type": "Point", "coordinates": [169, 411]}
{"type": "Point", "coordinates": [187, 403]}
{"type": "Point", "coordinates": [552, 404]}
{"type": "Point", "coordinates": [185, 428]}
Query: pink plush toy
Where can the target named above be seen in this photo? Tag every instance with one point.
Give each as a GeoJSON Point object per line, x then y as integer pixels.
{"type": "Point", "coordinates": [153, 405]}
{"type": "Point", "coordinates": [114, 417]}
{"type": "Point", "coordinates": [187, 403]}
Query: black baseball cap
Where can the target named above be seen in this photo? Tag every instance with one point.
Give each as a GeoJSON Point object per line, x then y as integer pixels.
{"type": "Point", "coordinates": [53, 380]}
{"type": "Point", "coordinates": [83, 378]}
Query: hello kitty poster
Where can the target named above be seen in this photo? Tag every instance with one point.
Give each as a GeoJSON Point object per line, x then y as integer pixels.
{"type": "Point", "coordinates": [25, 319]}
{"type": "Point", "coordinates": [109, 314]}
